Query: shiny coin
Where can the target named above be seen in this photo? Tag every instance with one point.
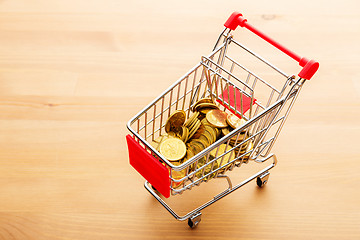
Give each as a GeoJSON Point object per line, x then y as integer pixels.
{"type": "Point", "coordinates": [206, 139]}
{"type": "Point", "coordinates": [226, 131]}
{"type": "Point", "coordinates": [183, 133]}
{"type": "Point", "coordinates": [199, 132]}
{"type": "Point", "coordinates": [203, 144]}
{"type": "Point", "coordinates": [210, 167]}
{"type": "Point", "coordinates": [202, 100]}
{"type": "Point", "coordinates": [237, 139]}
{"type": "Point", "coordinates": [212, 133]}
{"type": "Point", "coordinates": [173, 149]}
{"type": "Point", "coordinates": [189, 154]}
{"type": "Point", "coordinates": [205, 106]}
{"type": "Point", "coordinates": [197, 146]}
{"type": "Point", "coordinates": [192, 124]}
{"type": "Point", "coordinates": [204, 111]}
{"type": "Point", "coordinates": [192, 148]}
{"type": "Point", "coordinates": [194, 128]}
{"type": "Point", "coordinates": [228, 157]}
{"type": "Point", "coordinates": [177, 175]}
{"type": "Point", "coordinates": [217, 118]}
{"type": "Point", "coordinates": [218, 132]}
{"type": "Point", "coordinates": [191, 119]}
{"type": "Point", "coordinates": [234, 121]}
{"type": "Point", "coordinates": [171, 134]}
{"type": "Point", "coordinates": [205, 122]}
{"type": "Point", "coordinates": [175, 121]}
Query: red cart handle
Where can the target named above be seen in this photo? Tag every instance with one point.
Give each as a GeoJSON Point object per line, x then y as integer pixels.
{"type": "Point", "coordinates": [309, 66]}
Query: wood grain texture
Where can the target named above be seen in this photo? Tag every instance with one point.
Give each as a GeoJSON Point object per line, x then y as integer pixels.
{"type": "Point", "coordinates": [72, 73]}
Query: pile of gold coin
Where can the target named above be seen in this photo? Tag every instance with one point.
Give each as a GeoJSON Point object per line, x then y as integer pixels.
{"type": "Point", "coordinates": [246, 146]}
{"type": "Point", "coordinates": [185, 138]}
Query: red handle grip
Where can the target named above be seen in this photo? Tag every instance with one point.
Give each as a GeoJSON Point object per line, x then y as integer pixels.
{"type": "Point", "coordinates": [309, 66]}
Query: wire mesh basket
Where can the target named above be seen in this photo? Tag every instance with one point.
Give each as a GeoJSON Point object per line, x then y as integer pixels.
{"type": "Point", "coordinates": [263, 102]}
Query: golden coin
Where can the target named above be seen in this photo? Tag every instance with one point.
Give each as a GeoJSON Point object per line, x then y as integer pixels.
{"type": "Point", "coordinates": [177, 175]}
{"type": "Point", "coordinates": [189, 154]}
{"type": "Point", "coordinates": [237, 139]}
{"type": "Point", "coordinates": [212, 133]}
{"type": "Point", "coordinates": [226, 131]}
{"type": "Point", "coordinates": [234, 121]}
{"type": "Point", "coordinates": [200, 106]}
{"type": "Point", "coordinates": [191, 119]}
{"type": "Point", "coordinates": [205, 122]}
{"type": "Point", "coordinates": [209, 137]}
{"type": "Point", "coordinates": [228, 157]}
{"type": "Point", "coordinates": [192, 149]}
{"type": "Point", "coordinates": [200, 143]}
{"type": "Point", "coordinates": [242, 147]}
{"type": "Point", "coordinates": [218, 133]}
{"type": "Point", "coordinates": [217, 118]}
{"type": "Point", "coordinates": [170, 134]}
{"type": "Point", "coordinates": [183, 133]}
{"type": "Point", "coordinates": [192, 124]}
{"type": "Point", "coordinates": [206, 139]}
{"type": "Point", "coordinates": [194, 128]}
{"type": "Point", "coordinates": [202, 100]}
{"type": "Point", "coordinates": [186, 134]}
{"type": "Point", "coordinates": [199, 132]}
{"type": "Point", "coordinates": [175, 121]}
{"type": "Point", "coordinates": [197, 146]}
{"type": "Point", "coordinates": [173, 149]}
{"type": "Point", "coordinates": [210, 167]}
{"type": "Point", "coordinates": [204, 111]}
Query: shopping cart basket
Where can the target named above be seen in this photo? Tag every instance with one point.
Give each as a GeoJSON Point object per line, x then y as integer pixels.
{"type": "Point", "coordinates": [263, 101]}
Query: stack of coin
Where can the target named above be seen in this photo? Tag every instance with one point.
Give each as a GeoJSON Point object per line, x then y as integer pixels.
{"type": "Point", "coordinates": [185, 138]}
{"type": "Point", "coordinates": [228, 157]}
{"type": "Point", "coordinates": [177, 175]}
{"type": "Point", "coordinates": [207, 169]}
{"type": "Point", "coordinates": [247, 145]}
{"type": "Point", "coordinates": [192, 124]}
{"type": "Point", "coordinates": [203, 106]}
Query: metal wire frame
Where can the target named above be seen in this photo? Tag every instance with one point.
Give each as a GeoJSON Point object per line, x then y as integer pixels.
{"type": "Point", "coordinates": [216, 198]}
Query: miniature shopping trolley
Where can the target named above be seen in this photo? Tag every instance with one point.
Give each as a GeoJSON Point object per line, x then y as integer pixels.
{"type": "Point", "coordinates": [261, 95]}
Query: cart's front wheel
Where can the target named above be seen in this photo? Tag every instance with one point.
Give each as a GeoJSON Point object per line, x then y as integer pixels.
{"type": "Point", "coordinates": [194, 220]}
{"type": "Point", "coordinates": [262, 179]}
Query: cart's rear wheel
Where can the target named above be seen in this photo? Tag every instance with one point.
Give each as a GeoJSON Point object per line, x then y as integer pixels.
{"type": "Point", "coordinates": [194, 220]}
{"type": "Point", "coordinates": [262, 179]}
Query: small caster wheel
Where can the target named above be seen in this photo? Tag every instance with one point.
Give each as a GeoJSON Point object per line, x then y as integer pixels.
{"type": "Point", "coordinates": [194, 220]}
{"type": "Point", "coordinates": [262, 179]}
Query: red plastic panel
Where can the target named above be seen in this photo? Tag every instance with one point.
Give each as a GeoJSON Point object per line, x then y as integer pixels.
{"type": "Point", "coordinates": [148, 166]}
{"type": "Point", "coordinates": [228, 96]}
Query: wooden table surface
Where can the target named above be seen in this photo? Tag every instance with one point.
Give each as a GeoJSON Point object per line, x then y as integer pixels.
{"type": "Point", "coordinates": [72, 73]}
